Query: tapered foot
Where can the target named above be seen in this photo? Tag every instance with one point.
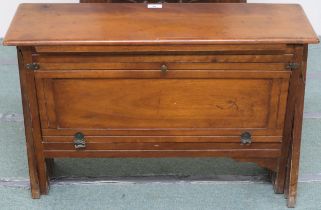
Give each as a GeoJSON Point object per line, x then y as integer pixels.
{"type": "Point", "coordinates": [291, 201]}
{"type": "Point", "coordinates": [35, 194]}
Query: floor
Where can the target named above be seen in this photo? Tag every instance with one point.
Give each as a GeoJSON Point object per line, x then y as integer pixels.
{"type": "Point", "coordinates": [153, 184]}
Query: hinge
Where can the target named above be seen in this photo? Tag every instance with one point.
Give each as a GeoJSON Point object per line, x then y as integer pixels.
{"type": "Point", "coordinates": [292, 66]}
{"type": "Point", "coordinates": [32, 66]}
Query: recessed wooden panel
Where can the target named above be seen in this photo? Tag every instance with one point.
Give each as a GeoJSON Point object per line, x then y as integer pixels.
{"type": "Point", "coordinates": [154, 103]}
{"type": "Point", "coordinates": [162, 103]}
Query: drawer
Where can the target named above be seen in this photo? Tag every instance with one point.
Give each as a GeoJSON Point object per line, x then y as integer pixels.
{"type": "Point", "coordinates": [207, 106]}
{"type": "Point", "coordinates": [224, 57]}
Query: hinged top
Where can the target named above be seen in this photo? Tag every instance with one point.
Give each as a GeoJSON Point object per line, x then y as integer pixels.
{"type": "Point", "coordinates": [114, 24]}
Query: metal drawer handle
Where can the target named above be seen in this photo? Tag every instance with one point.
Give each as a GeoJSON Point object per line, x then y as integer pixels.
{"type": "Point", "coordinates": [164, 68]}
{"type": "Point", "coordinates": [246, 138]}
{"type": "Point", "coordinates": [79, 141]}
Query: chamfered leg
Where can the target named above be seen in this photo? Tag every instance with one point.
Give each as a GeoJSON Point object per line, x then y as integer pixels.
{"type": "Point", "coordinates": [39, 179]}
{"type": "Point", "coordinates": [293, 165]}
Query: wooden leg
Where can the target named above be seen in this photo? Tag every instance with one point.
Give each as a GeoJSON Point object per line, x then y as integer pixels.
{"type": "Point", "coordinates": [286, 184]}
{"type": "Point", "coordinates": [280, 177]}
{"type": "Point", "coordinates": [33, 172]}
{"type": "Point", "coordinates": [272, 175]}
{"type": "Point", "coordinates": [294, 157]}
{"type": "Point", "coordinates": [37, 166]}
{"type": "Point", "coordinates": [31, 155]}
{"type": "Point", "coordinates": [43, 178]}
{"type": "Point", "coordinates": [293, 168]}
{"type": "Point", "coordinates": [288, 168]}
{"type": "Point", "coordinates": [50, 166]}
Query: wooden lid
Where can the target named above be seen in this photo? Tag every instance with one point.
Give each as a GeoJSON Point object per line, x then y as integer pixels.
{"type": "Point", "coordinates": [114, 24]}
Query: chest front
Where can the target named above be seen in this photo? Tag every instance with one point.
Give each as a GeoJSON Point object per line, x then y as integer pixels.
{"type": "Point", "coordinates": [192, 99]}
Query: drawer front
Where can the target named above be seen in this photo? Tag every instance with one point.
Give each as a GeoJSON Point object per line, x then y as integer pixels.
{"type": "Point", "coordinates": [211, 104]}
{"type": "Point", "coordinates": [176, 57]}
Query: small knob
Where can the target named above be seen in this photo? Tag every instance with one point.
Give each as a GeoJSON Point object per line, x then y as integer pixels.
{"type": "Point", "coordinates": [79, 141]}
{"type": "Point", "coordinates": [164, 68]}
{"type": "Point", "coordinates": [246, 138]}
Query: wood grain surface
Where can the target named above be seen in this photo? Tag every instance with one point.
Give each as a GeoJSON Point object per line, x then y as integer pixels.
{"type": "Point", "coordinates": [127, 24]}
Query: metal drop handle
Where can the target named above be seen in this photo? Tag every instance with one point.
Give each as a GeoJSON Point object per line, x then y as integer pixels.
{"type": "Point", "coordinates": [79, 141]}
{"type": "Point", "coordinates": [246, 138]}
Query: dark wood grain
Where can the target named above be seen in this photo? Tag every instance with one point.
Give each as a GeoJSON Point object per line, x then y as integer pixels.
{"type": "Point", "coordinates": [128, 24]}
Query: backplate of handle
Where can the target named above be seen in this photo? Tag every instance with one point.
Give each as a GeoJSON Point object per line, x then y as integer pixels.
{"type": "Point", "coordinates": [79, 141]}
{"type": "Point", "coordinates": [246, 138]}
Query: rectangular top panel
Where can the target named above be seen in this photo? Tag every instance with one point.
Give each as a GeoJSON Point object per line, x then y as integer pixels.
{"type": "Point", "coordinates": [135, 24]}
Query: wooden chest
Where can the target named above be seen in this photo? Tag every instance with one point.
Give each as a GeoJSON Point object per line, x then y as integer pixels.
{"type": "Point", "coordinates": [122, 80]}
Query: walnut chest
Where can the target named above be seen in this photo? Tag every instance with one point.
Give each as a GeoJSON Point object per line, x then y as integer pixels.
{"type": "Point", "coordinates": [124, 80]}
